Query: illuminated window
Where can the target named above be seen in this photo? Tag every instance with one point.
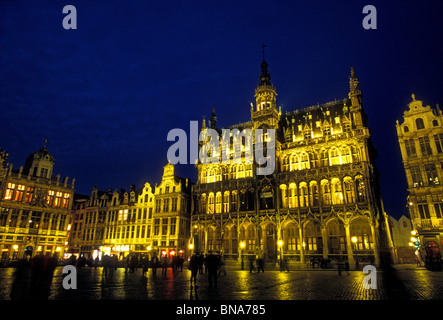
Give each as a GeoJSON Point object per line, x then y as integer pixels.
{"type": "Point", "coordinates": [361, 190]}
{"type": "Point", "coordinates": [29, 194]}
{"type": "Point", "coordinates": [57, 201]}
{"type": "Point", "coordinates": [156, 227]}
{"type": "Point", "coordinates": [9, 191]}
{"type": "Point", "coordinates": [285, 163]}
{"type": "Point", "coordinates": [50, 199]}
{"type": "Point", "coordinates": [158, 204]}
{"type": "Point", "coordinates": [65, 202]}
{"type": "Point", "coordinates": [326, 192]}
{"type": "Point", "coordinates": [233, 197]}
{"type": "Point", "coordinates": [314, 200]}
{"type": "Point", "coordinates": [19, 193]}
{"type": "Point", "coordinates": [338, 194]}
{"type": "Point", "coordinates": [349, 191]}
{"type": "Point", "coordinates": [304, 161]}
{"type": "Point", "coordinates": [226, 201]}
{"type": "Point", "coordinates": [346, 155]}
{"type": "Point", "coordinates": [293, 196]}
{"type": "Point", "coordinates": [304, 195]}
{"type": "Point", "coordinates": [218, 199]}
{"type": "Point", "coordinates": [172, 227]}
{"type": "Point", "coordinates": [416, 176]}
{"type": "Point", "coordinates": [211, 203]}
{"type": "Point", "coordinates": [293, 164]}
{"type": "Point", "coordinates": [431, 174]}
{"type": "Point", "coordinates": [335, 157]}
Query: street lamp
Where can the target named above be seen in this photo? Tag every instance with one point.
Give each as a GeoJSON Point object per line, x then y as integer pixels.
{"type": "Point", "coordinates": [242, 245]}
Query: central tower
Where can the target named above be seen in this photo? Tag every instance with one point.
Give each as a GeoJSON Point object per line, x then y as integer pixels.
{"type": "Point", "coordinates": [265, 113]}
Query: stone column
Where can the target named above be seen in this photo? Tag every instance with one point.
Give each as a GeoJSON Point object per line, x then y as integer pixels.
{"type": "Point", "coordinates": [324, 234]}
{"type": "Point", "coordinates": [302, 248]}
{"type": "Point", "coordinates": [349, 244]}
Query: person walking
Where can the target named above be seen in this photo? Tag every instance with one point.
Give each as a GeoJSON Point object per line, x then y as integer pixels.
{"type": "Point", "coordinates": [165, 262]}
{"type": "Point", "coordinates": [211, 263]}
{"type": "Point", "coordinates": [194, 267]}
{"type": "Point", "coordinates": [155, 263]}
{"type": "Point", "coordinates": [260, 265]}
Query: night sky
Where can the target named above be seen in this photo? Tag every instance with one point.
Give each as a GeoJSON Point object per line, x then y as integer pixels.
{"type": "Point", "coordinates": [106, 95]}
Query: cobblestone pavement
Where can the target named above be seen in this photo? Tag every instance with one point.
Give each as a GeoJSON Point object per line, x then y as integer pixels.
{"type": "Point", "coordinates": [404, 282]}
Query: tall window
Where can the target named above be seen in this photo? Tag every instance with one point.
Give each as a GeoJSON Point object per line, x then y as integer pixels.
{"type": "Point", "coordinates": [158, 205]}
{"type": "Point", "coordinates": [423, 208]}
{"type": "Point", "coordinates": [174, 205]}
{"type": "Point", "coordinates": [416, 176]}
{"type": "Point", "coordinates": [439, 142]}
{"type": "Point", "coordinates": [9, 191]}
{"type": "Point", "coordinates": [226, 202]}
{"type": "Point", "coordinates": [166, 205]}
{"type": "Point", "coordinates": [172, 226]}
{"type": "Point", "coordinates": [324, 158]}
{"type": "Point", "coordinates": [438, 205]}
{"type": "Point", "coordinates": [19, 193]}
{"type": "Point", "coordinates": [304, 161]}
{"type": "Point", "coordinates": [292, 196]}
{"type": "Point", "coordinates": [326, 191]}
{"type": "Point", "coordinates": [211, 203]}
{"type": "Point", "coordinates": [410, 148]}
{"type": "Point", "coordinates": [361, 190]}
{"type": "Point", "coordinates": [349, 191]}
{"type": "Point", "coordinates": [431, 174]}
{"type": "Point", "coordinates": [218, 199]}
{"type": "Point", "coordinates": [425, 146]}
{"type": "Point", "coordinates": [156, 227]}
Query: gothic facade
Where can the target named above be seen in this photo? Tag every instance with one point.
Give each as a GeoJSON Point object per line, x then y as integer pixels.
{"type": "Point", "coordinates": [321, 201]}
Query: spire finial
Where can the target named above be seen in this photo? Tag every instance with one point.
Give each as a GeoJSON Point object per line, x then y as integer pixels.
{"type": "Point", "coordinates": [263, 51]}
{"type": "Point", "coordinates": [46, 141]}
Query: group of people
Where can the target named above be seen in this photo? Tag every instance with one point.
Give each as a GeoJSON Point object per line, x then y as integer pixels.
{"type": "Point", "coordinates": [213, 264]}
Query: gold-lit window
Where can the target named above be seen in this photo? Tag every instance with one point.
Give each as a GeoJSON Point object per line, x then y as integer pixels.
{"type": "Point", "coordinates": [9, 191]}
{"type": "Point", "coordinates": [50, 199]}
{"type": "Point", "coordinates": [65, 201]}
{"type": "Point", "coordinates": [19, 193]}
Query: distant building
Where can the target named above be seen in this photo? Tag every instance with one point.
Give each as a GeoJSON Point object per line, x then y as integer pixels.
{"type": "Point", "coordinates": [143, 222]}
{"type": "Point", "coordinates": [401, 234]}
{"type": "Point", "coordinates": [420, 137]}
{"type": "Point", "coordinates": [321, 201]}
{"type": "Point", "coordinates": [35, 208]}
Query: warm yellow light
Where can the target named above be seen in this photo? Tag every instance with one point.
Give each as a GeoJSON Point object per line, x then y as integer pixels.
{"type": "Point", "coordinates": [195, 227]}
{"type": "Point", "coordinates": [304, 244]}
{"type": "Point", "coordinates": [354, 239]}
{"type": "Point", "coordinates": [149, 248]}
{"type": "Point", "coordinates": [191, 246]}
{"type": "Point", "coordinates": [411, 244]}
{"type": "Point", "coordinates": [413, 232]}
{"type": "Point", "coordinates": [15, 247]}
{"type": "Point", "coordinates": [413, 239]}
{"type": "Point", "coordinates": [69, 227]}
{"type": "Point", "coordinates": [58, 249]}
{"type": "Point", "coordinates": [411, 203]}
{"type": "Point", "coordinates": [39, 248]}
{"type": "Point", "coordinates": [242, 244]}
{"type": "Point", "coordinates": [280, 243]}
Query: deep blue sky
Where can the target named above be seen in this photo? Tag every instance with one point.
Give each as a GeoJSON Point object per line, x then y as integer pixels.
{"type": "Point", "coordinates": [106, 95]}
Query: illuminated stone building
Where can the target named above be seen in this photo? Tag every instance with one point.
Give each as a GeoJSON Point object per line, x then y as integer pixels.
{"type": "Point", "coordinates": [420, 136]}
{"type": "Point", "coordinates": [35, 208]}
{"type": "Point", "coordinates": [321, 201]}
{"type": "Point", "coordinates": [151, 219]}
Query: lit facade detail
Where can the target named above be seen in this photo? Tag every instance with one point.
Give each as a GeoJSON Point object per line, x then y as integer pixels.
{"type": "Point", "coordinates": [322, 201]}
{"type": "Point", "coordinates": [35, 208]}
{"type": "Point", "coordinates": [144, 221]}
{"type": "Point", "coordinates": [420, 137]}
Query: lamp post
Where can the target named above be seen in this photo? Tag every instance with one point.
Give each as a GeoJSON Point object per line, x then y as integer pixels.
{"type": "Point", "coordinates": [280, 246]}
{"type": "Point", "coordinates": [242, 245]}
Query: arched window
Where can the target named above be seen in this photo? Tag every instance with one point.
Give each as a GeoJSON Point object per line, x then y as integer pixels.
{"type": "Point", "coordinates": [419, 123]}
{"type": "Point", "coordinates": [349, 190]}
{"type": "Point", "coordinates": [435, 123]}
{"type": "Point", "coordinates": [337, 189]}
{"type": "Point", "coordinates": [211, 203]}
{"type": "Point", "coordinates": [218, 200]}
{"type": "Point", "coordinates": [292, 196]}
{"type": "Point", "coordinates": [361, 190]}
{"type": "Point", "coordinates": [406, 129]}
{"type": "Point", "coordinates": [314, 200]}
{"type": "Point", "coordinates": [326, 192]}
{"type": "Point", "coordinates": [226, 201]}
{"type": "Point", "coordinates": [304, 195]}
{"type": "Point", "coordinates": [291, 238]}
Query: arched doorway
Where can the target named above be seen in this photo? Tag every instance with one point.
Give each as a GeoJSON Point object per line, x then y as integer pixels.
{"type": "Point", "coordinates": [270, 242]}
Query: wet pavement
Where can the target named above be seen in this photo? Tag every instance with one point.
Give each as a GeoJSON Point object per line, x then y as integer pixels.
{"type": "Point", "coordinates": [403, 282]}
